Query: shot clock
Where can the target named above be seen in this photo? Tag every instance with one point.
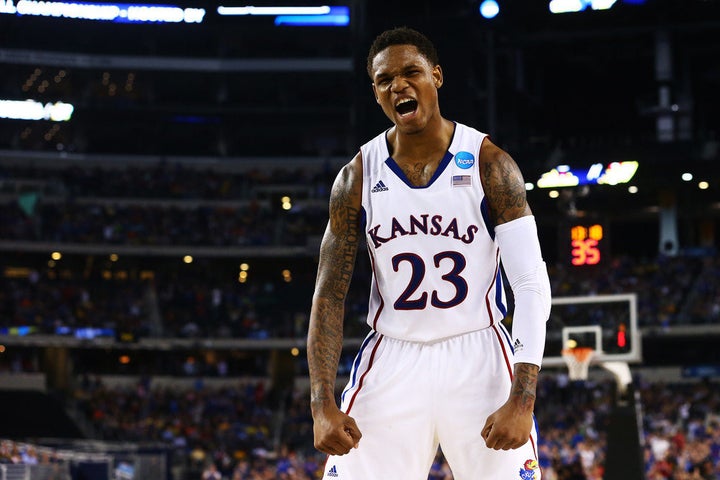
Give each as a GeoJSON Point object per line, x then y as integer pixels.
{"type": "Point", "coordinates": [586, 242]}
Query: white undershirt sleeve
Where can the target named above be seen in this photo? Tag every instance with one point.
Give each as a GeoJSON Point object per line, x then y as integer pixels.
{"type": "Point", "coordinates": [526, 271]}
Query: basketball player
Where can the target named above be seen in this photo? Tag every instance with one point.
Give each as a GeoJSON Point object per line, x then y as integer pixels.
{"type": "Point", "coordinates": [441, 208]}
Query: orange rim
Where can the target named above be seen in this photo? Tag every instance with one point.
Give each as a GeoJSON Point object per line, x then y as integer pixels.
{"type": "Point", "coordinates": [581, 354]}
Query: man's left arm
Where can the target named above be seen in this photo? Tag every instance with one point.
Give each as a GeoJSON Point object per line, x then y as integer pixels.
{"type": "Point", "coordinates": [516, 234]}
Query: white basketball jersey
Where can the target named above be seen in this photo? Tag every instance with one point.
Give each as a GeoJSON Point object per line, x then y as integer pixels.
{"type": "Point", "coordinates": [432, 249]}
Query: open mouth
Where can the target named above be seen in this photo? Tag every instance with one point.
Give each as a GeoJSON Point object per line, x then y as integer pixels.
{"type": "Point", "coordinates": [406, 106]}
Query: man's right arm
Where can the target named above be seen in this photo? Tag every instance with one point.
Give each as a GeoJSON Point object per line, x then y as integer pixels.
{"type": "Point", "coordinates": [335, 432]}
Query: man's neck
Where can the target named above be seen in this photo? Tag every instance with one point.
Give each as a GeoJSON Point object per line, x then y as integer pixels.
{"type": "Point", "coordinates": [429, 144]}
{"type": "Point", "coordinates": [419, 154]}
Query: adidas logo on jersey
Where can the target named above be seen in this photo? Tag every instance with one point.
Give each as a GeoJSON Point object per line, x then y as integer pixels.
{"type": "Point", "coordinates": [517, 346]}
{"type": "Point", "coordinates": [379, 187]}
{"type": "Point", "coordinates": [333, 471]}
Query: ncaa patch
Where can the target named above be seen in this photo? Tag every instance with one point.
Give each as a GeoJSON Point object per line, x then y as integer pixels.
{"type": "Point", "coordinates": [464, 159]}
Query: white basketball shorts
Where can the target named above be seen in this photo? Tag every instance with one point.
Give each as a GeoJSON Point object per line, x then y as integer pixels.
{"type": "Point", "coordinates": [407, 398]}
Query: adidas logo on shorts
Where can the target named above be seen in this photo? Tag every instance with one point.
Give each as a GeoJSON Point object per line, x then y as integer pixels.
{"type": "Point", "coordinates": [379, 187]}
{"type": "Point", "coordinates": [333, 471]}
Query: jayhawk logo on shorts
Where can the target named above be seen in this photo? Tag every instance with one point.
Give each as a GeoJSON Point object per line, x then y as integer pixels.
{"type": "Point", "coordinates": [529, 470]}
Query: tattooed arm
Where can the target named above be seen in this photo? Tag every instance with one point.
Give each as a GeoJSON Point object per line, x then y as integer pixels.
{"type": "Point", "coordinates": [509, 426]}
{"type": "Point", "coordinates": [503, 184]}
{"type": "Point", "coordinates": [335, 433]}
{"type": "Point", "coordinates": [504, 187]}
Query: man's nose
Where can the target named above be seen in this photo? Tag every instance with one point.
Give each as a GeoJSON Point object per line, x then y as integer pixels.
{"type": "Point", "coordinates": [398, 84]}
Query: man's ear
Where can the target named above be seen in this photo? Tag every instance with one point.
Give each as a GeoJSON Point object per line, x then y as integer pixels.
{"type": "Point", "coordinates": [438, 76]}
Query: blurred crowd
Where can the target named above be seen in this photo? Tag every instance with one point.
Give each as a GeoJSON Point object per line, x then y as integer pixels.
{"type": "Point", "coordinates": [158, 181]}
{"type": "Point", "coordinates": [680, 429]}
{"type": "Point", "coordinates": [161, 205]}
{"type": "Point", "coordinates": [192, 304]}
{"type": "Point", "coordinates": [179, 205]}
{"type": "Point", "coordinates": [26, 460]}
{"type": "Point", "coordinates": [671, 291]}
{"type": "Point", "coordinates": [243, 435]}
{"type": "Point", "coordinates": [247, 432]}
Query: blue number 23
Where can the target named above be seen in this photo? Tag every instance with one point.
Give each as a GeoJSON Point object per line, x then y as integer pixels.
{"type": "Point", "coordinates": [404, 302]}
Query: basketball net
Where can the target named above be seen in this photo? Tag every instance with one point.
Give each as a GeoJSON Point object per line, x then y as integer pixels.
{"type": "Point", "coordinates": [578, 361]}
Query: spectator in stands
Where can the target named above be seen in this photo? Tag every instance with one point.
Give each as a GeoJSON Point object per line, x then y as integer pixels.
{"type": "Point", "coordinates": [211, 473]}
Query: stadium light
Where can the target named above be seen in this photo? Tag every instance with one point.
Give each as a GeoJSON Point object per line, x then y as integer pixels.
{"type": "Point", "coordinates": [32, 110]}
{"type": "Point", "coordinates": [331, 20]}
{"type": "Point", "coordinates": [319, 16]}
{"type": "Point", "coordinates": [322, 10]}
{"type": "Point", "coordinates": [614, 173]}
{"type": "Point", "coordinates": [489, 9]}
{"type": "Point", "coordinates": [570, 6]}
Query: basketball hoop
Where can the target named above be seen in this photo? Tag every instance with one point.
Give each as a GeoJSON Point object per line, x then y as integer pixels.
{"type": "Point", "coordinates": [578, 361]}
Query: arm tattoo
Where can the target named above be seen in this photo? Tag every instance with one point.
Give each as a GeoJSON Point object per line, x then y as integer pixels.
{"type": "Point", "coordinates": [341, 252]}
{"type": "Point", "coordinates": [524, 385]}
{"type": "Point", "coordinates": [337, 261]}
{"type": "Point", "coordinates": [505, 189]}
{"type": "Point", "coordinates": [324, 347]}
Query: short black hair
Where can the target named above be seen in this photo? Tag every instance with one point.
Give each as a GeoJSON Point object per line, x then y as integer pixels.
{"type": "Point", "coordinates": [402, 36]}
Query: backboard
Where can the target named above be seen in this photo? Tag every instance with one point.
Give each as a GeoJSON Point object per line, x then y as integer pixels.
{"type": "Point", "coordinates": [606, 323]}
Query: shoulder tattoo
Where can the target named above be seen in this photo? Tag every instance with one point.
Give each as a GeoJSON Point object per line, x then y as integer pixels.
{"type": "Point", "coordinates": [505, 188]}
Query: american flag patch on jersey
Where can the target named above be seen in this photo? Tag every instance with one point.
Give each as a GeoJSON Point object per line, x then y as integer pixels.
{"type": "Point", "coordinates": [461, 181]}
